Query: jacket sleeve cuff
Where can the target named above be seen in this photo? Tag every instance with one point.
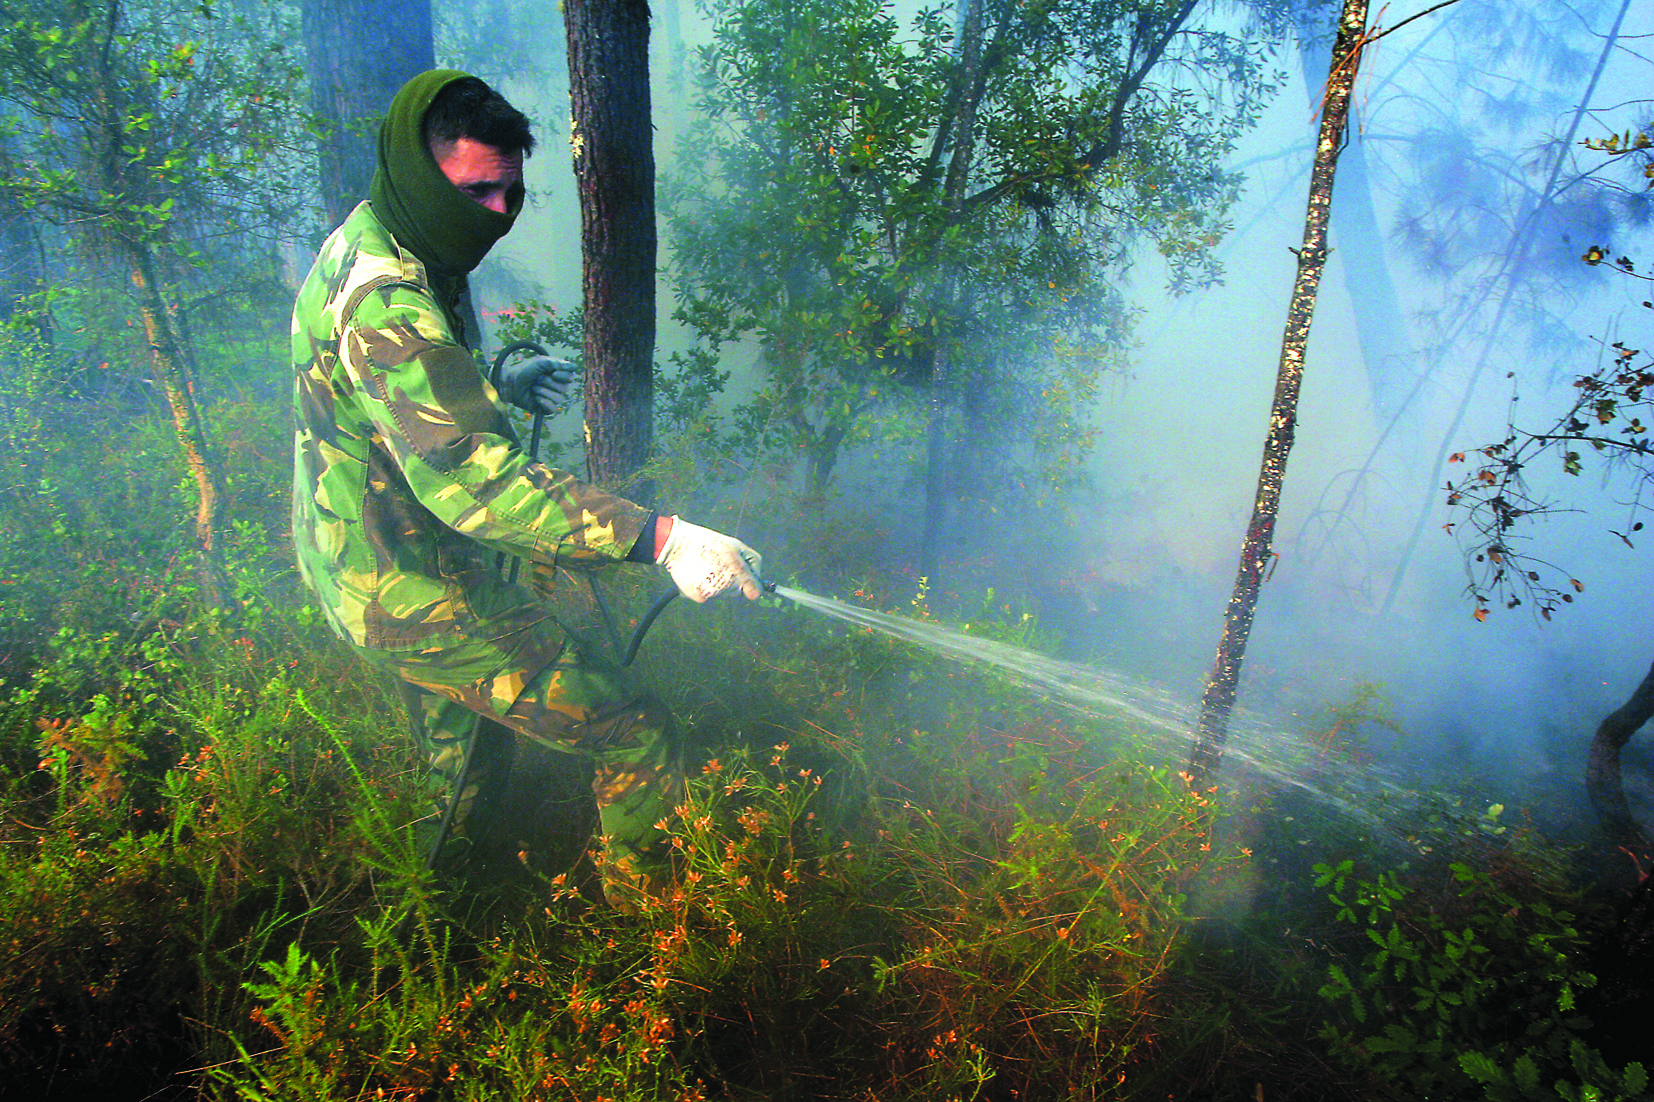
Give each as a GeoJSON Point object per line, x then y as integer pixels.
{"type": "Point", "coordinates": [644, 549]}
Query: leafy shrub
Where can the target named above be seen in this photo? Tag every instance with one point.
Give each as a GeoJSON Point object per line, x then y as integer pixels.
{"type": "Point", "coordinates": [787, 961]}
{"type": "Point", "coordinates": [1471, 991]}
{"type": "Point", "coordinates": [101, 969]}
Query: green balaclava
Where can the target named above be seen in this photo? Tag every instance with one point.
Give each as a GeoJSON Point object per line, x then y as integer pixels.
{"type": "Point", "coordinates": [430, 217]}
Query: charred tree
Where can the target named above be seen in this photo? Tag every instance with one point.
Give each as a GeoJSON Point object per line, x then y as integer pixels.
{"type": "Point", "coordinates": [1602, 769]}
{"type": "Point", "coordinates": [1218, 702]}
{"type": "Point", "coordinates": [1380, 322]}
{"type": "Point", "coordinates": [359, 54]}
{"type": "Point", "coordinates": [612, 142]}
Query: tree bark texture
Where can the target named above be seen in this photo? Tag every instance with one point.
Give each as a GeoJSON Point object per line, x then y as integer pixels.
{"type": "Point", "coordinates": [359, 54]}
{"type": "Point", "coordinates": [1218, 702]}
{"type": "Point", "coordinates": [612, 142]}
{"type": "Point", "coordinates": [171, 366]}
{"type": "Point", "coordinates": [1602, 768]}
{"type": "Point", "coordinates": [1380, 323]}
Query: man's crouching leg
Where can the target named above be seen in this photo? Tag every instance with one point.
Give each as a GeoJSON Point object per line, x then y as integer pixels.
{"type": "Point", "coordinates": [448, 734]}
{"type": "Point", "coordinates": [590, 707]}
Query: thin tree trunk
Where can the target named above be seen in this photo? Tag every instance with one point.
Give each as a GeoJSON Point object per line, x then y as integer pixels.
{"type": "Point", "coordinates": [22, 272]}
{"type": "Point", "coordinates": [358, 53]}
{"type": "Point", "coordinates": [172, 372]}
{"type": "Point", "coordinates": [937, 482]}
{"type": "Point", "coordinates": [1602, 769]}
{"type": "Point", "coordinates": [1222, 683]}
{"type": "Point", "coordinates": [614, 168]}
{"type": "Point", "coordinates": [1380, 324]}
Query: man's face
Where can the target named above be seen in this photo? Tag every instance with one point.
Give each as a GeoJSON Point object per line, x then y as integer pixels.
{"type": "Point", "coordinates": [481, 171]}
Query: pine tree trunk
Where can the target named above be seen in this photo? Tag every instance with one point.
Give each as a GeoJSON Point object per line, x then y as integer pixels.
{"type": "Point", "coordinates": [358, 55]}
{"type": "Point", "coordinates": [1218, 702]}
{"type": "Point", "coordinates": [614, 168]}
{"type": "Point", "coordinates": [171, 366]}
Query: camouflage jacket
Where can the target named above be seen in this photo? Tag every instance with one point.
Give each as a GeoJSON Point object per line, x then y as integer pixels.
{"type": "Point", "coordinates": [407, 475]}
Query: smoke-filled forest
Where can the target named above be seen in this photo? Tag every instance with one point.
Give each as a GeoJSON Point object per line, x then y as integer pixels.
{"type": "Point", "coordinates": [1201, 638]}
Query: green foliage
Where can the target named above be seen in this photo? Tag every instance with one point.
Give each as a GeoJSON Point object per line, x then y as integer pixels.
{"type": "Point", "coordinates": [160, 838]}
{"type": "Point", "coordinates": [97, 538]}
{"type": "Point", "coordinates": [1342, 727]}
{"type": "Point", "coordinates": [1469, 989]}
{"type": "Point", "coordinates": [25, 388]}
{"type": "Point", "coordinates": [158, 139]}
{"type": "Point", "coordinates": [903, 965]}
{"type": "Point", "coordinates": [898, 878]}
{"type": "Point", "coordinates": [158, 125]}
{"type": "Point", "coordinates": [889, 211]}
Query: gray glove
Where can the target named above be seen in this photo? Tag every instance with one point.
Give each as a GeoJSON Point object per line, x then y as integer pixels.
{"type": "Point", "coordinates": [538, 384]}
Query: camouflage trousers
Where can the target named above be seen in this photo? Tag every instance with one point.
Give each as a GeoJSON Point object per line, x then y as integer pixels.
{"type": "Point", "coordinates": [561, 737]}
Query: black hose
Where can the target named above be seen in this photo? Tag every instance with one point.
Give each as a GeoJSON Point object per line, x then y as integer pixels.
{"type": "Point", "coordinates": [605, 615]}
{"type": "Point", "coordinates": [539, 419]}
{"type": "Point", "coordinates": [647, 622]}
{"type": "Point", "coordinates": [455, 794]}
{"type": "Point", "coordinates": [657, 608]}
{"type": "Point", "coordinates": [505, 353]}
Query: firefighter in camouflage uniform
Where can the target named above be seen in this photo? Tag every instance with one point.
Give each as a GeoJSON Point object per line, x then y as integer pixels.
{"type": "Point", "coordinates": [408, 478]}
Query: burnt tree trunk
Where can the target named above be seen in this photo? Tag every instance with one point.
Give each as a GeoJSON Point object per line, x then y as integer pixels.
{"type": "Point", "coordinates": [614, 168]}
{"type": "Point", "coordinates": [1602, 769]}
{"type": "Point", "coordinates": [1380, 322]}
{"type": "Point", "coordinates": [1218, 702]}
{"type": "Point", "coordinates": [358, 55]}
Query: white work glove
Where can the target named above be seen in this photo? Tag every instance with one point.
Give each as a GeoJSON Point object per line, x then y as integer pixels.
{"type": "Point", "coordinates": [538, 384]}
{"type": "Point", "coordinates": [704, 563]}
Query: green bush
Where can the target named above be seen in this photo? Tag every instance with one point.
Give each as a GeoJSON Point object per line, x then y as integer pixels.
{"type": "Point", "coordinates": [1469, 988]}
{"type": "Point", "coordinates": [788, 961]}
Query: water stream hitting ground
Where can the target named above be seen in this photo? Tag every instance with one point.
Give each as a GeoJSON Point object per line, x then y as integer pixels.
{"type": "Point", "coordinates": [1162, 718]}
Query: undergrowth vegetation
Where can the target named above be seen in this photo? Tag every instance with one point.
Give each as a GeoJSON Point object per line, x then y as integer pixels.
{"type": "Point", "coordinates": [897, 879]}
